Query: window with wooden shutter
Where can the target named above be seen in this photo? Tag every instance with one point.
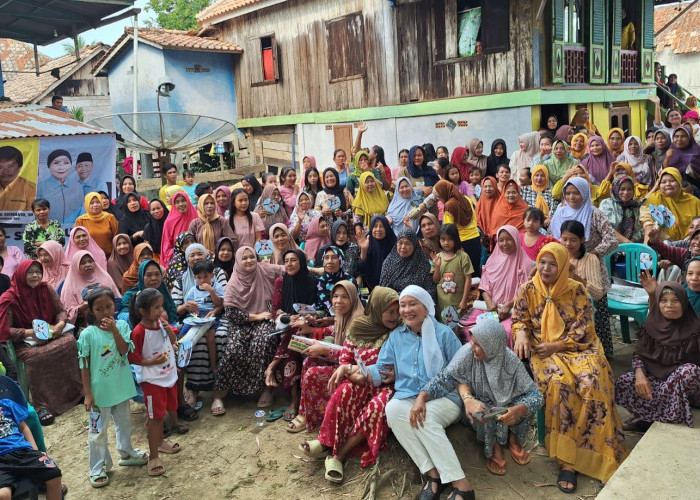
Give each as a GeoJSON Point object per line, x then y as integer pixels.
{"type": "Point", "coordinates": [558, 33]}
{"type": "Point", "coordinates": [647, 45]}
{"type": "Point", "coordinates": [263, 62]}
{"type": "Point", "coordinates": [495, 32]}
{"type": "Point", "coordinates": [597, 45]}
{"type": "Point", "coordinates": [345, 37]}
{"type": "Point", "coordinates": [616, 41]}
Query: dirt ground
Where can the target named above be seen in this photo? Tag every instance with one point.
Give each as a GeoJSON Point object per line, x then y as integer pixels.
{"type": "Point", "coordinates": [230, 457]}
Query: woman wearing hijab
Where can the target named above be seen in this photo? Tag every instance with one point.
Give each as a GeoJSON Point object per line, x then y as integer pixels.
{"type": "Point", "coordinates": [225, 255]}
{"type": "Point", "coordinates": [153, 232]}
{"type": "Point", "coordinates": [418, 350]}
{"type": "Point", "coordinates": [178, 264]}
{"type": "Point", "coordinates": [303, 215]}
{"type": "Point", "coordinates": [127, 185]}
{"type": "Point", "coordinates": [375, 246]}
{"type": "Point", "coordinates": [582, 119]}
{"type": "Point", "coordinates": [578, 147]}
{"type": "Point", "coordinates": [552, 320]}
{"type": "Point", "coordinates": [170, 192]}
{"type": "Point", "coordinates": [317, 236]}
{"type": "Point", "coordinates": [307, 162]}
{"type": "Point", "coordinates": [142, 253]}
{"type": "Point", "coordinates": [488, 371]}
{"type": "Point", "coordinates": [53, 261]}
{"type": "Point", "coordinates": [459, 159]}
{"type": "Point", "coordinates": [370, 199]}
{"type": "Point", "coordinates": [601, 240]}
{"type": "Point", "coordinates": [80, 239]}
{"type": "Point", "coordinates": [252, 186]}
{"type": "Point", "coordinates": [178, 222]}
{"type": "Point", "coordinates": [340, 238]}
{"type": "Point", "coordinates": [560, 161]}
{"type": "Point", "coordinates": [333, 192]}
{"type": "Point", "coordinates": [222, 195]}
{"type": "Point", "coordinates": [428, 234]}
{"type": "Point", "coordinates": [272, 192]}
{"type": "Point", "coordinates": [486, 205]}
{"type": "Point", "coordinates": [510, 208]}
{"type": "Point", "coordinates": [565, 133]}
{"type": "Point", "coordinates": [422, 176]}
{"type": "Point", "coordinates": [657, 152]}
{"type": "Point", "coordinates": [51, 366]}
{"type": "Point", "coordinates": [460, 212]}
{"type": "Point", "coordinates": [101, 225]}
{"type": "Point", "coordinates": [579, 171]}
{"type": "Point", "coordinates": [83, 273]}
{"type": "Point", "coordinates": [333, 261]}
{"type": "Point", "coordinates": [633, 155]}
{"type": "Point", "coordinates": [282, 241]}
{"type": "Point", "coordinates": [354, 423]}
{"type": "Point", "coordinates": [498, 157]}
{"type": "Point", "coordinates": [668, 192]}
{"type": "Point", "coordinates": [134, 219]}
{"type": "Point", "coordinates": [617, 169]}
{"type": "Point", "coordinates": [622, 210]}
{"type": "Point", "coordinates": [407, 265]}
{"type": "Point", "coordinates": [665, 382]}
{"type": "Point", "coordinates": [403, 201]}
{"type": "Point", "coordinates": [250, 348]}
{"type": "Point", "coordinates": [615, 141]}
{"type": "Point", "coordinates": [539, 193]}
{"type": "Point", "coordinates": [121, 258]}
{"type": "Point", "coordinates": [476, 158]}
{"type": "Point", "coordinates": [685, 153]}
{"type": "Point", "coordinates": [149, 276]}
{"type": "Point", "coordinates": [522, 158]}
{"type": "Point", "coordinates": [599, 158]}
{"type": "Point", "coordinates": [209, 227]}
{"type": "Point", "coordinates": [297, 286]}
{"type": "Point", "coordinates": [362, 166]}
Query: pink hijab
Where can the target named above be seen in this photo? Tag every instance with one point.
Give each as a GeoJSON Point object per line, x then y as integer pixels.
{"type": "Point", "coordinates": [312, 161]}
{"type": "Point", "coordinates": [227, 191]}
{"type": "Point", "coordinates": [72, 291]}
{"type": "Point", "coordinates": [56, 273]}
{"type": "Point", "coordinates": [175, 224]}
{"type": "Point", "coordinates": [503, 274]}
{"type": "Point", "coordinates": [252, 291]}
{"type": "Point", "coordinates": [97, 253]}
{"type": "Point", "coordinates": [314, 240]}
{"type": "Point", "coordinates": [598, 166]}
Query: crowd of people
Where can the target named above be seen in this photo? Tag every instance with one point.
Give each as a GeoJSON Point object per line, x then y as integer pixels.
{"type": "Point", "coordinates": [450, 285]}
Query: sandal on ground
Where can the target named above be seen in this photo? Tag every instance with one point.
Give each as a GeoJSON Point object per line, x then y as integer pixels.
{"type": "Point", "coordinates": [100, 480]}
{"type": "Point", "coordinates": [334, 470]}
{"type": "Point", "coordinates": [289, 415]}
{"type": "Point", "coordinates": [495, 466]}
{"type": "Point", "coordinates": [463, 495]}
{"type": "Point", "coordinates": [168, 447]}
{"type": "Point", "coordinates": [275, 415]}
{"type": "Point", "coordinates": [521, 457]}
{"type": "Point", "coordinates": [138, 458]}
{"type": "Point", "coordinates": [187, 413]}
{"type": "Point", "coordinates": [217, 407]}
{"type": "Point", "coordinates": [298, 424]}
{"type": "Point", "coordinates": [427, 492]}
{"type": "Point", "coordinates": [190, 398]}
{"type": "Point", "coordinates": [46, 417]}
{"type": "Point", "coordinates": [179, 429]}
{"type": "Point", "coordinates": [635, 425]}
{"type": "Point", "coordinates": [316, 449]}
{"type": "Point", "coordinates": [567, 476]}
{"type": "Point", "coordinates": [155, 467]}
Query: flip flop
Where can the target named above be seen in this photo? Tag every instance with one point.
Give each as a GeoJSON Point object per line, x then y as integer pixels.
{"type": "Point", "coordinates": [490, 462]}
{"type": "Point", "coordinates": [198, 405]}
{"type": "Point", "coordinates": [139, 458]}
{"type": "Point", "coordinates": [316, 450]}
{"type": "Point", "coordinates": [95, 480]}
{"type": "Point", "coordinates": [568, 476]}
{"type": "Point", "coordinates": [179, 429]}
{"type": "Point", "coordinates": [275, 415]}
{"type": "Point", "coordinates": [334, 470]}
{"type": "Point", "coordinates": [155, 467]}
{"type": "Point", "coordinates": [289, 415]}
{"type": "Point", "coordinates": [299, 423]}
{"type": "Point", "coordinates": [168, 447]}
{"type": "Point", "coordinates": [521, 457]}
{"type": "Point", "coordinates": [46, 417]}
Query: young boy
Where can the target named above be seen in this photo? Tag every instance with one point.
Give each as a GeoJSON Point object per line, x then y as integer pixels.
{"type": "Point", "coordinates": [190, 186]}
{"type": "Point", "coordinates": [202, 188]}
{"type": "Point", "coordinates": [525, 177]}
{"type": "Point", "coordinates": [208, 295]}
{"type": "Point", "coordinates": [169, 171]}
{"type": "Point", "coordinates": [19, 456]}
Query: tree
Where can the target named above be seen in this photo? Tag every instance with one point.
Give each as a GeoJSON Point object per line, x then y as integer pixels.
{"type": "Point", "coordinates": [177, 14]}
{"type": "Point", "coordinates": [69, 47]}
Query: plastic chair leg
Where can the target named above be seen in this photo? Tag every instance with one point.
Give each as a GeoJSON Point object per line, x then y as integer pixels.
{"type": "Point", "coordinates": [625, 327]}
{"type": "Point", "coordinates": [19, 366]}
{"type": "Point", "coordinates": [541, 431]}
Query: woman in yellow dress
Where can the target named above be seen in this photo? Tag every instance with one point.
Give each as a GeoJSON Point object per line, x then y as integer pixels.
{"type": "Point", "coordinates": [553, 319]}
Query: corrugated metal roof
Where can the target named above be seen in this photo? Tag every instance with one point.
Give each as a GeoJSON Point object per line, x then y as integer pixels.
{"type": "Point", "coordinates": [20, 122]}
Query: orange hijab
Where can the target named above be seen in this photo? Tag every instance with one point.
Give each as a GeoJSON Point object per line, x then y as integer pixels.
{"type": "Point", "coordinates": [509, 214]}
{"type": "Point", "coordinates": [485, 207]}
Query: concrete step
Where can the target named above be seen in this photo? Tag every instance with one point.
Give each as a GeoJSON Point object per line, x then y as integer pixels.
{"type": "Point", "coordinates": [663, 464]}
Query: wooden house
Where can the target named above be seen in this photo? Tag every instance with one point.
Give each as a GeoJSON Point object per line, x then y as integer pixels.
{"type": "Point", "coordinates": [439, 71]}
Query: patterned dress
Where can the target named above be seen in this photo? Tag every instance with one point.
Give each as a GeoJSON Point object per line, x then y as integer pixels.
{"type": "Point", "coordinates": [34, 232]}
{"type": "Point", "coordinates": [584, 429]}
{"type": "Point", "coordinates": [289, 368]}
{"type": "Point", "coordinates": [315, 374]}
{"type": "Point", "coordinates": [356, 409]}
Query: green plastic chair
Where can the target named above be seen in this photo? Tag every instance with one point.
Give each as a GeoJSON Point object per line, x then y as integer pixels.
{"type": "Point", "coordinates": [19, 366]}
{"type": "Point", "coordinates": [632, 271]}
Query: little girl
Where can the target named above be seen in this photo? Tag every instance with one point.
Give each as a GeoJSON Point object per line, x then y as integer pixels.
{"type": "Point", "coordinates": [474, 182]}
{"type": "Point", "coordinates": [108, 385]}
{"type": "Point", "coordinates": [453, 272]}
{"type": "Point", "coordinates": [154, 349]}
{"type": "Point", "coordinates": [533, 239]}
{"type": "Point", "coordinates": [452, 175]}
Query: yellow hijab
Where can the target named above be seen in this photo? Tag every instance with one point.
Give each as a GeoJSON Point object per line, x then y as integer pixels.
{"type": "Point", "coordinates": [170, 192]}
{"type": "Point", "coordinates": [95, 218]}
{"type": "Point", "coordinates": [541, 203]}
{"type": "Point", "coordinates": [208, 238]}
{"type": "Point", "coordinates": [368, 205]}
{"type": "Point", "coordinates": [579, 155]}
{"type": "Point", "coordinates": [621, 149]}
{"type": "Point", "coordinates": [552, 323]}
{"type": "Point", "coordinates": [684, 206]}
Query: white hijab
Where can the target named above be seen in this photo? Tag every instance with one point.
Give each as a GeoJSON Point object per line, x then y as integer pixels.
{"type": "Point", "coordinates": [432, 354]}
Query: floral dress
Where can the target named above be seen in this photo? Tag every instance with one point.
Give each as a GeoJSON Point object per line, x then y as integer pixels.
{"type": "Point", "coordinates": [304, 228]}
{"type": "Point", "coordinates": [354, 409]}
{"type": "Point", "coordinates": [289, 368]}
{"type": "Point", "coordinates": [315, 374]}
{"type": "Point", "coordinates": [34, 232]}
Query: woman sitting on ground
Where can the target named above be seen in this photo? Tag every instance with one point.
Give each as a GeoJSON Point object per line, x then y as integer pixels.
{"type": "Point", "coordinates": [407, 265]}
{"type": "Point", "coordinates": [101, 225]}
{"type": "Point", "coordinates": [130, 278]}
{"type": "Point", "coordinates": [121, 258]}
{"type": "Point", "coordinates": [354, 423]}
{"type": "Point", "coordinates": [488, 374]}
{"type": "Point", "coordinates": [80, 239]}
{"type": "Point", "coordinates": [553, 326]}
{"type": "Point", "coordinates": [272, 192]}
{"type": "Point", "coordinates": [53, 260]}
{"type": "Point", "coordinates": [665, 382]}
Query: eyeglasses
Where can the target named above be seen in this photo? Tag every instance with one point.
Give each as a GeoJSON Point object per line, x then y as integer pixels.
{"type": "Point", "coordinates": [35, 272]}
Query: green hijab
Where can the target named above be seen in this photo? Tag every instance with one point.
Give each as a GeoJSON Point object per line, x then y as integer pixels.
{"type": "Point", "coordinates": [557, 168]}
{"type": "Point", "coordinates": [168, 303]}
{"type": "Point", "coordinates": [368, 330]}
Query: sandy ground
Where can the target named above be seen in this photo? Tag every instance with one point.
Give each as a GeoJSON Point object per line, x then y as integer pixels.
{"type": "Point", "coordinates": [230, 457]}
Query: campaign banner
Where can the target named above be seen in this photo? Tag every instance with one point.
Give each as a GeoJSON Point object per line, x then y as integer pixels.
{"type": "Point", "coordinates": [61, 170]}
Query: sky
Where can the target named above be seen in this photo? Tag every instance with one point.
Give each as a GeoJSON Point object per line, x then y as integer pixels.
{"type": "Point", "coordinates": [107, 34]}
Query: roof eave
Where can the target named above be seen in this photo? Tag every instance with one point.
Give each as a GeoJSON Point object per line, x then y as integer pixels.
{"type": "Point", "coordinates": [223, 17]}
{"type": "Point", "coordinates": [83, 61]}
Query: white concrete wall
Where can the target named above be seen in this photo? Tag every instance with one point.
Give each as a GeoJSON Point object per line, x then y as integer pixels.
{"type": "Point", "coordinates": [685, 66]}
{"type": "Point", "coordinates": [395, 134]}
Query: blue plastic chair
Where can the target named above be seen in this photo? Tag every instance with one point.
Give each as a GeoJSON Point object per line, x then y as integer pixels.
{"type": "Point", "coordinates": [632, 272]}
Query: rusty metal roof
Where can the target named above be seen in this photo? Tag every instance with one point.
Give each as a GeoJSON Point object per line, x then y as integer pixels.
{"type": "Point", "coordinates": [36, 121]}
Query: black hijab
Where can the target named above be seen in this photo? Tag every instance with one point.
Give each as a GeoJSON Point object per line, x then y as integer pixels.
{"type": "Point", "coordinates": [493, 161]}
{"type": "Point", "coordinates": [120, 202]}
{"type": "Point", "coordinates": [300, 288]}
{"type": "Point", "coordinates": [378, 251]}
{"type": "Point", "coordinates": [226, 266]}
{"type": "Point", "coordinates": [133, 222]}
{"type": "Point", "coordinates": [257, 190]}
{"type": "Point", "coordinates": [153, 233]}
{"type": "Point", "coordinates": [337, 190]}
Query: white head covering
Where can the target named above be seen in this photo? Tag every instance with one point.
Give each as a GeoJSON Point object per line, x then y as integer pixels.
{"type": "Point", "coordinates": [432, 354]}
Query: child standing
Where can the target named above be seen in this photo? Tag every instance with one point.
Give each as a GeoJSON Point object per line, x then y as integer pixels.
{"type": "Point", "coordinates": [210, 304]}
{"type": "Point", "coordinates": [154, 349]}
{"type": "Point", "coordinates": [474, 181]}
{"type": "Point", "coordinates": [108, 385]}
{"type": "Point", "coordinates": [190, 186]}
{"type": "Point", "coordinates": [453, 271]}
{"type": "Point", "coordinates": [533, 239]}
{"type": "Point", "coordinates": [452, 175]}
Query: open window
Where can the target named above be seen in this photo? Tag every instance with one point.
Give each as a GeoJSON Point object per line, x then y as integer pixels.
{"type": "Point", "coordinates": [345, 37]}
{"type": "Point", "coordinates": [263, 62]}
{"type": "Point", "coordinates": [469, 28]}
